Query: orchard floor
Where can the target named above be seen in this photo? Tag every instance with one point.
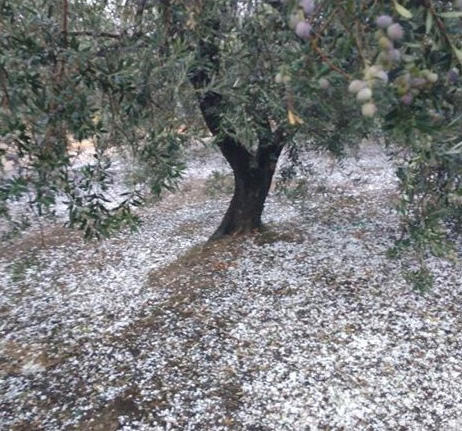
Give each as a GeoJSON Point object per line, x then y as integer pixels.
{"type": "Point", "coordinates": [304, 327]}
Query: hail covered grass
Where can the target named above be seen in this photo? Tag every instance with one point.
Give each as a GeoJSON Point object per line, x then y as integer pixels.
{"type": "Point", "coordinates": [305, 327]}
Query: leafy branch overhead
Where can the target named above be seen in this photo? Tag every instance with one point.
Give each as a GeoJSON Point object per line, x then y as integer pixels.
{"type": "Point", "coordinates": [142, 78]}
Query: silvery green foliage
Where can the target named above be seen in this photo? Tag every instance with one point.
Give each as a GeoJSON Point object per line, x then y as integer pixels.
{"type": "Point", "coordinates": [401, 62]}
{"type": "Point", "coordinates": [118, 73]}
{"type": "Point", "coordinates": [70, 72]}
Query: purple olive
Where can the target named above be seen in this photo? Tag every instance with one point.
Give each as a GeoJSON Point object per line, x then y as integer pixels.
{"type": "Point", "coordinates": [384, 21]}
{"type": "Point", "coordinates": [303, 30]}
{"type": "Point", "coordinates": [407, 99]}
{"type": "Point", "coordinates": [452, 76]}
{"type": "Point", "coordinates": [308, 6]}
{"type": "Point", "coordinates": [394, 55]}
{"type": "Point", "coordinates": [395, 32]}
{"type": "Point", "coordinates": [418, 82]}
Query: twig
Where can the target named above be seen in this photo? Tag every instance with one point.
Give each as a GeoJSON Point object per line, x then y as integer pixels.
{"type": "Point", "coordinates": [6, 101]}
{"type": "Point", "coordinates": [326, 60]}
{"type": "Point", "coordinates": [429, 6]}
{"type": "Point", "coordinates": [95, 34]}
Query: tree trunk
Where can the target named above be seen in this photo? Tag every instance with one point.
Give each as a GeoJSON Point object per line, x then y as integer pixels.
{"type": "Point", "coordinates": [253, 173]}
{"type": "Point", "coordinates": [252, 181]}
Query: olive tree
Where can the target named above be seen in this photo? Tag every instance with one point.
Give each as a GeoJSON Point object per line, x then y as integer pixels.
{"type": "Point", "coordinates": [122, 74]}
{"type": "Point", "coordinates": [257, 75]}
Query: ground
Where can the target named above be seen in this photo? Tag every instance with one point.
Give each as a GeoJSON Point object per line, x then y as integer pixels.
{"type": "Point", "coordinates": [304, 327]}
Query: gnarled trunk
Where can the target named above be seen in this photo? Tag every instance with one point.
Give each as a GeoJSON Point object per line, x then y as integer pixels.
{"type": "Point", "coordinates": [253, 172]}
{"type": "Point", "coordinates": [252, 181]}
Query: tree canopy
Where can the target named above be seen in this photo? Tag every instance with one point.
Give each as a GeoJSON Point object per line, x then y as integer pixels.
{"type": "Point", "coordinates": [257, 75]}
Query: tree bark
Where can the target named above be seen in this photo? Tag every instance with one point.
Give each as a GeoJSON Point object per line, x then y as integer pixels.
{"type": "Point", "coordinates": [246, 206]}
{"type": "Point", "coordinates": [253, 175]}
{"type": "Point", "coordinates": [253, 172]}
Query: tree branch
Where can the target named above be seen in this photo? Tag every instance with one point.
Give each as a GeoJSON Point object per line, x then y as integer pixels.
{"type": "Point", "coordinates": [65, 20]}
{"type": "Point", "coordinates": [139, 15]}
{"type": "Point", "coordinates": [326, 60]}
{"type": "Point", "coordinates": [95, 34]}
{"type": "Point", "coordinates": [6, 101]}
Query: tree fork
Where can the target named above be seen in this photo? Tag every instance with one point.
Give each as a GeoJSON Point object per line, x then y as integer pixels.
{"type": "Point", "coordinates": [253, 173]}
